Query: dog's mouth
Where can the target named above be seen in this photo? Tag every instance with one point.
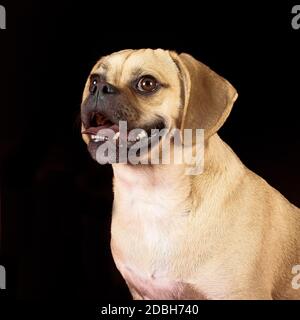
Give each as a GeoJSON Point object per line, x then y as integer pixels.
{"type": "Point", "coordinates": [101, 129]}
{"type": "Point", "coordinates": [97, 124]}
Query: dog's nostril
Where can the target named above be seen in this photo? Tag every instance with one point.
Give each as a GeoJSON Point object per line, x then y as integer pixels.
{"type": "Point", "coordinates": [108, 89]}
{"type": "Point", "coordinates": [93, 89]}
{"type": "Point", "coordinates": [93, 86]}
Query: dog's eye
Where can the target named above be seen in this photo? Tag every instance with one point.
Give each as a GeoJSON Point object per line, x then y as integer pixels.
{"type": "Point", "coordinates": [147, 84]}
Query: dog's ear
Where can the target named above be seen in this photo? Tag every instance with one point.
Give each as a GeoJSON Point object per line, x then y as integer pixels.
{"type": "Point", "coordinates": [207, 97]}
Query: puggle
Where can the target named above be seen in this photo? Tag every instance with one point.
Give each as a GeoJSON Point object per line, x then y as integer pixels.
{"type": "Point", "coordinates": [223, 233]}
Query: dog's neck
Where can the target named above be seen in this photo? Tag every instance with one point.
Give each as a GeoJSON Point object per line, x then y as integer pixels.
{"type": "Point", "coordinates": [221, 166]}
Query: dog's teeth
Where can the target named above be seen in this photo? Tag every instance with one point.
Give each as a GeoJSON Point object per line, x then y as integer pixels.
{"type": "Point", "coordinates": [98, 138]}
{"type": "Point", "coordinates": [140, 136]}
{"type": "Point", "coordinates": [116, 136]}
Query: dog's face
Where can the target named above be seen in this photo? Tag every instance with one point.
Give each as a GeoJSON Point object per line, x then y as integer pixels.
{"type": "Point", "coordinates": [140, 87]}
{"type": "Point", "coordinates": [150, 89]}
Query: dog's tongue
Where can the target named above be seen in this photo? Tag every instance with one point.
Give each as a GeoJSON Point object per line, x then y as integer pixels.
{"type": "Point", "coordinates": [95, 130]}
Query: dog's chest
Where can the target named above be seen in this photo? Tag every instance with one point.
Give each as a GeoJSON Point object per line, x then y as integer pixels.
{"type": "Point", "coordinates": [144, 244]}
{"type": "Point", "coordinates": [147, 220]}
{"type": "Point", "coordinates": [157, 286]}
{"type": "Point", "coordinates": [149, 228]}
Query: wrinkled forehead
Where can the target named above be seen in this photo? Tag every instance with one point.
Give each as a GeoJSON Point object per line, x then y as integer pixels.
{"type": "Point", "coordinates": [123, 66]}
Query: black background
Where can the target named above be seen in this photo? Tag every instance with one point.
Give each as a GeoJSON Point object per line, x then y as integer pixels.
{"type": "Point", "coordinates": [55, 200]}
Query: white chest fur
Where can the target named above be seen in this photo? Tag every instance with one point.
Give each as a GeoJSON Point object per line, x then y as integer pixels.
{"type": "Point", "coordinates": [148, 220]}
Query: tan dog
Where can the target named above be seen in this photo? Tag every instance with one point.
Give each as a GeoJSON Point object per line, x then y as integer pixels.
{"type": "Point", "coordinates": [222, 234]}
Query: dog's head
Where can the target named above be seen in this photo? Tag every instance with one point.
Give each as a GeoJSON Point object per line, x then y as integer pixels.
{"type": "Point", "coordinates": [151, 89]}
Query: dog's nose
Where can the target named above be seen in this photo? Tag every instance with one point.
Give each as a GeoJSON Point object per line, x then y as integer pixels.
{"type": "Point", "coordinates": [103, 87]}
{"type": "Point", "coordinates": [102, 99]}
{"type": "Point", "coordinates": [108, 88]}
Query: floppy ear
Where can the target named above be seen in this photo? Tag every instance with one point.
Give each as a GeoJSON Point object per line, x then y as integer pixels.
{"type": "Point", "coordinates": [208, 98]}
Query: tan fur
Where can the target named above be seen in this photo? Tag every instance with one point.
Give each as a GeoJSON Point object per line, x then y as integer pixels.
{"type": "Point", "coordinates": [223, 234]}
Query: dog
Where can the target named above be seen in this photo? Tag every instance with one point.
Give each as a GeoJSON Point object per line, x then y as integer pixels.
{"type": "Point", "coordinates": [221, 234]}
